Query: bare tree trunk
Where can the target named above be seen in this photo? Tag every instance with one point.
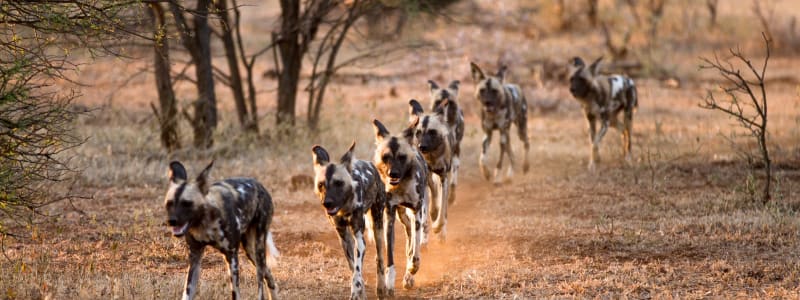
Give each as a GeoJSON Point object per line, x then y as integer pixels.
{"type": "Point", "coordinates": [712, 12]}
{"type": "Point", "coordinates": [198, 44]}
{"type": "Point", "coordinates": [248, 66]}
{"type": "Point", "coordinates": [291, 58]}
{"type": "Point", "coordinates": [593, 8]}
{"type": "Point", "coordinates": [233, 64]}
{"type": "Point", "coordinates": [168, 113]}
{"type": "Point", "coordinates": [317, 93]}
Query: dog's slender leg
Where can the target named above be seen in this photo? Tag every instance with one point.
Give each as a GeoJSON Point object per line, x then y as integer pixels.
{"type": "Point", "coordinates": [487, 140]}
{"type": "Point", "coordinates": [440, 202]}
{"type": "Point", "coordinates": [451, 193]}
{"type": "Point", "coordinates": [376, 213]}
{"type": "Point", "coordinates": [347, 242]}
{"type": "Point", "coordinates": [604, 122]}
{"type": "Point", "coordinates": [413, 223]}
{"type": "Point", "coordinates": [626, 133]}
{"type": "Point", "coordinates": [522, 132]}
{"type": "Point", "coordinates": [232, 257]}
{"type": "Point", "coordinates": [195, 256]}
{"type": "Point", "coordinates": [510, 152]}
{"type": "Point", "coordinates": [389, 217]}
{"type": "Point", "coordinates": [504, 149]}
{"type": "Point", "coordinates": [358, 290]}
{"type": "Point", "coordinates": [591, 120]}
{"type": "Point", "coordinates": [249, 241]}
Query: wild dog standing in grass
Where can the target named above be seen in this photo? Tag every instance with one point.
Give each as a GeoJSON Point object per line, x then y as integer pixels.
{"type": "Point", "coordinates": [604, 97]}
{"type": "Point", "coordinates": [354, 198]}
{"type": "Point", "coordinates": [405, 176]}
{"type": "Point", "coordinates": [455, 121]}
{"type": "Point", "coordinates": [432, 137]}
{"type": "Point", "coordinates": [222, 215]}
{"type": "Point", "coordinates": [502, 104]}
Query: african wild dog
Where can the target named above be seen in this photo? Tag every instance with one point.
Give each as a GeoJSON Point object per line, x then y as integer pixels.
{"type": "Point", "coordinates": [432, 137]}
{"type": "Point", "coordinates": [354, 198]}
{"type": "Point", "coordinates": [455, 120]}
{"type": "Point", "coordinates": [502, 104]}
{"type": "Point", "coordinates": [405, 176]}
{"type": "Point", "coordinates": [222, 215]}
{"type": "Point", "coordinates": [604, 97]}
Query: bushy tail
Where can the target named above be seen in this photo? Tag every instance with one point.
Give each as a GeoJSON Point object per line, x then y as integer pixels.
{"type": "Point", "coordinates": [272, 252]}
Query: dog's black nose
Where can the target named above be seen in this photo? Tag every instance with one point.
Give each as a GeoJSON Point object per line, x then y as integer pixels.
{"type": "Point", "coordinates": [172, 222]}
{"type": "Point", "coordinates": [394, 174]}
{"type": "Point", "coordinates": [423, 147]}
{"type": "Point", "coordinates": [327, 203]}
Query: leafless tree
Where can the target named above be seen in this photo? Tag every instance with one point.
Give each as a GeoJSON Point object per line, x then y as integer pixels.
{"type": "Point", "coordinates": [750, 111]}
{"type": "Point", "coordinates": [712, 5]}
{"type": "Point", "coordinates": [196, 38]}
{"type": "Point", "coordinates": [167, 113]}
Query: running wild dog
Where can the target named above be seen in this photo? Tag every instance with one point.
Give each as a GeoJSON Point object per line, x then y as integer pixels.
{"type": "Point", "coordinates": [405, 176]}
{"type": "Point", "coordinates": [455, 121]}
{"type": "Point", "coordinates": [603, 96]}
{"type": "Point", "coordinates": [354, 198]}
{"type": "Point", "coordinates": [432, 137]}
{"type": "Point", "coordinates": [222, 215]}
{"type": "Point", "coordinates": [502, 104]}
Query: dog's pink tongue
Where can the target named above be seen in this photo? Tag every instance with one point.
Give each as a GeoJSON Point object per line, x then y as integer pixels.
{"type": "Point", "coordinates": [177, 230]}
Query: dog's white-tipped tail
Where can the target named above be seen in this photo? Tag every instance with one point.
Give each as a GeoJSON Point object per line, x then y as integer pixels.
{"type": "Point", "coordinates": [272, 252]}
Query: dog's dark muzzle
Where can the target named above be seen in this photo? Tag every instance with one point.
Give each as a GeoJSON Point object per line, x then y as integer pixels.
{"type": "Point", "coordinates": [330, 207]}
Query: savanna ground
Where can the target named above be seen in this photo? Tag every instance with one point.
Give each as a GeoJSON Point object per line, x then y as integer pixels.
{"type": "Point", "coordinates": [678, 222]}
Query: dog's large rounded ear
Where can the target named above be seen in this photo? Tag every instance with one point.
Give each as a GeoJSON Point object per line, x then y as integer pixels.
{"type": "Point", "coordinates": [414, 110]}
{"type": "Point", "coordinates": [348, 157]}
{"type": "Point", "coordinates": [176, 173]}
{"type": "Point", "coordinates": [319, 156]}
{"type": "Point", "coordinates": [501, 74]}
{"type": "Point", "coordinates": [477, 73]}
{"type": "Point", "coordinates": [432, 85]}
{"type": "Point", "coordinates": [453, 86]}
{"type": "Point", "coordinates": [380, 131]}
{"type": "Point", "coordinates": [202, 179]}
{"type": "Point", "coordinates": [594, 68]}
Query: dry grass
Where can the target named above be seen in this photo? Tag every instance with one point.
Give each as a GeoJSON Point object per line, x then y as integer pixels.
{"type": "Point", "coordinates": [677, 223]}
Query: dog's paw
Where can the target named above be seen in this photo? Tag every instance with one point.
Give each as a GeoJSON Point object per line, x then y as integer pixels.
{"type": "Point", "coordinates": [408, 281]}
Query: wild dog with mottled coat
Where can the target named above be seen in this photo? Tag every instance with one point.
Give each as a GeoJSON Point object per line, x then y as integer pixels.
{"type": "Point", "coordinates": [502, 104]}
{"type": "Point", "coordinates": [223, 215]}
{"type": "Point", "coordinates": [454, 117]}
{"type": "Point", "coordinates": [405, 176]}
{"type": "Point", "coordinates": [433, 138]}
{"type": "Point", "coordinates": [354, 199]}
{"type": "Point", "coordinates": [603, 97]}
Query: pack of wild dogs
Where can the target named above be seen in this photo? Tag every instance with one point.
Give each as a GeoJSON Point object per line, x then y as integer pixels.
{"type": "Point", "coordinates": [412, 176]}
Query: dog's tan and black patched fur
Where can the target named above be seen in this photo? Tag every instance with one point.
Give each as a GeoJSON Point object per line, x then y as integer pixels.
{"type": "Point", "coordinates": [433, 138]}
{"type": "Point", "coordinates": [223, 215]}
{"type": "Point", "coordinates": [405, 175]}
{"type": "Point", "coordinates": [354, 199]}
{"type": "Point", "coordinates": [444, 101]}
{"type": "Point", "coordinates": [603, 97]}
{"type": "Point", "coordinates": [502, 104]}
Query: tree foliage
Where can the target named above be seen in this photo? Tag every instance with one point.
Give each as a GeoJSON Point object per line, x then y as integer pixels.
{"type": "Point", "coordinates": [36, 119]}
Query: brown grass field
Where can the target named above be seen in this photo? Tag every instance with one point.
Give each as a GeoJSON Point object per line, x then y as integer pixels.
{"type": "Point", "coordinates": [679, 222]}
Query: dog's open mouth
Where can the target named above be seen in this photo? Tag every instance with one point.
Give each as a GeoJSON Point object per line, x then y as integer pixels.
{"type": "Point", "coordinates": [180, 230]}
{"type": "Point", "coordinates": [394, 181]}
{"type": "Point", "coordinates": [332, 211]}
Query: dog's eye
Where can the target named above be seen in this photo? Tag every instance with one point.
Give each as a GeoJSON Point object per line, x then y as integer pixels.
{"type": "Point", "coordinates": [186, 204]}
{"type": "Point", "coordinates": [401, 157]}
{"type": "Point", "coordinates": [170, 203]}
{"type": "Point", "coordinates": [321, 185]}
{"type": "Point", "coordinates": [386, 158]}
{"type": "Point", "coordinates": [338, 183]}
{"type": "Point", "coordinates": [432, 132]}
